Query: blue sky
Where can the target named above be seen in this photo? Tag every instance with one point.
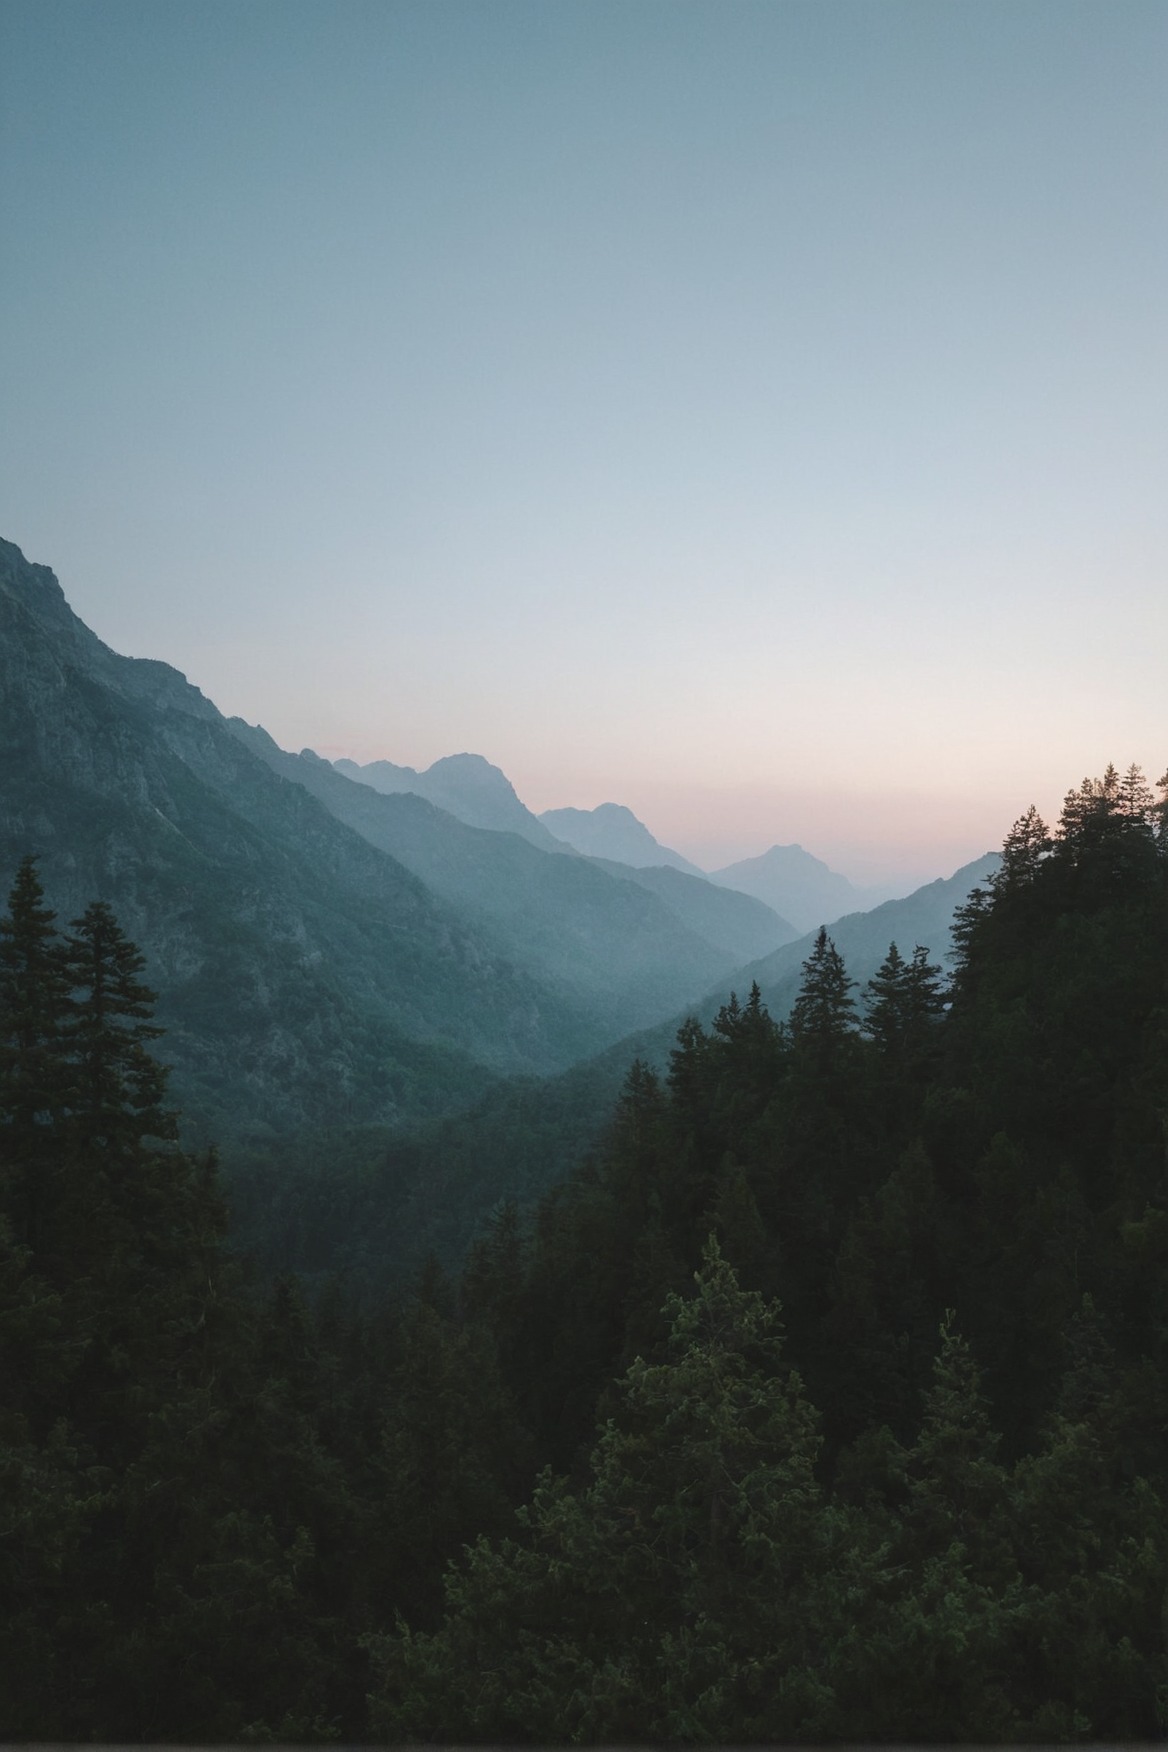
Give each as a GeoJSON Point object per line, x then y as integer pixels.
{"type": "Point", "coordinates": [751, 413]}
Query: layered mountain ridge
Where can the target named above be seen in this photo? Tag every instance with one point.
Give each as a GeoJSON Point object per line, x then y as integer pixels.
{"type": "Point", "coordinates": [324, 952]}
{"type": "Point", "coordinates": [302, 974]}
{"type": "Point", "coordinates": [612, 831]}
{"type": "Point", "coordinates": [623, 954]}
{"type": "Point", "coordinates": [330, 951]}
{"type": "Point", "coordinates": [801, 886]}
{"type": "Point", "coordinates": [465, 785]}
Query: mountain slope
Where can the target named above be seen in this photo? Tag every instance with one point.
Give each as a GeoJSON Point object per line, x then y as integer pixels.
{"type": "Point", "coordinates": [303, 975]}
{"type": "Point", "coordinates": [611, 831]}
{"type": "Point", "coordinates": [614, 947]}
{"type": "Point", "coordinates": [433, 1190]}
{"type": "Point", "coordinates": [863, 938]}
{"type": "Point", "coordinates": [744, 928]}
{"type": "Point", "coordinates": [798, 886]}
{"type": "Point", "coordinates": [465, 786]}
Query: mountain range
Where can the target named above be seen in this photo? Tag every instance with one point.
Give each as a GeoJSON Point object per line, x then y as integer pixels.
{"type": "Point", "coordinates": [324, 951]}
{"type": "Point", "coordinates": [612, 831]}
{"type": "Point", "coordinates": [330, 945]}
{"type": "Point", "coordinates": [620, 951]}
{"type": "Point", "coordinates": [301, 974]}
{"type": "Point", "coordinates": [799, 888]}
{"type": "Point", "coordinates": [803, 890]}
{"type": "Point", "coordinates": [465, 786]}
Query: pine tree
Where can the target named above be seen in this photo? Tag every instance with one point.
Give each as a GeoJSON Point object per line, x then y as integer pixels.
{"type": "Point", "coordinates": [906, 1003]}
{"type": "Point", "coordinates": [1135, 801]}
{"type": "Point", "coordinates": [120, 1087]}
{"type": "Point", "coordinates": [1024, 850]}
{"type": "Point", "coordinates": [823, 1017]}
{"type": "Point", "coordinates": [751, 1053]}
{"type": "Point", "coordinates": [885, 1000]}
{"type": "Point", "coordinates": [1107, 835]}
{"type": "Point", "coordinates": [938, 1659]}
{"type": "Point", "coordinates": [821, 1135]}
{"type": "Point", "coordinates": [35, 1012]}
{"type": "Point", "coordinates": [634, 1157]}
{"type": "Point", "coordinates": [959, 1486]}
{"type": "Point", "coordinates": [663, 1600]}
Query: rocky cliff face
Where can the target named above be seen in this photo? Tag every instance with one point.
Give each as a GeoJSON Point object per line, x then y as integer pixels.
{"type": "Point", "coordinates": [304, 975]}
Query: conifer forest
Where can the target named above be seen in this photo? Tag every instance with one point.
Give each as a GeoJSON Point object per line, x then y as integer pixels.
{"type": "Point", "coordinates": [825, 1400]}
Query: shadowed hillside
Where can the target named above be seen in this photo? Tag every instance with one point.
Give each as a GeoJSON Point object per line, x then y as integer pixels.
{"type": "Point", "coordinates": [303, 975]}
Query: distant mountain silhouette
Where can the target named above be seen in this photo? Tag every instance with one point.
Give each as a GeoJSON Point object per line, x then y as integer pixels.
{"type": "Point", "coordinates": [863, 938]}
{"type": "Point", "coordinates": [619, 951]}
{"type": "Point", "coordinates": [797, 885]}
{"type": "Point", "coordinates": [327, 953]}
{"type": "Point", "coordinates": [466, 786]}
{"type": "Point", "coordinates": [478, 794]}
{"type": "Point", "coordinates": [612, 831]}
{"type": "Point", "coordinates": [742, 926]}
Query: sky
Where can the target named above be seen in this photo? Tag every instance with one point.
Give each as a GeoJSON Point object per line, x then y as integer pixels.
{"type": "Point", "coordinates": [750, 413]}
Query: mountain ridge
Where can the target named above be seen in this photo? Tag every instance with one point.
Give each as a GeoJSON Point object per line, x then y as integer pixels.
{"type": "Point", "coordinates": [572, 919]}
{"type": "Point", "coordinates": [301, 973]}
{"type": "Point", "coordinates": [467, 786]}
{"type": "Point", "coordinates": [797, 884]}
{"type": "Point", "coordinates": [612, 832]}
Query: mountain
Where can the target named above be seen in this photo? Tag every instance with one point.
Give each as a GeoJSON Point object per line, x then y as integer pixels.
{"type": "Point", "coordinates": [742, 927]}
{"type": "Point", "coordinates": [305, 977]}
{"type": "Point", "coordinates": [798, 886]}
{"type": "Point", "coordinates": [863, 938]}
{"type": "Point", "coordinates": [326, 954]}
{"type": "Point", "coordinates": [465, 786]}
{"type": "Point", "coordinates": [611, 831]}
{"type": "Point", "coordinates": [739, 927]}
{"type": "Point", "coordinates": [619, 952]}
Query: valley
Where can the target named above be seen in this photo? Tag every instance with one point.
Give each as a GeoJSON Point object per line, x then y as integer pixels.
{"type": "Point", "coordinates": [337, 945]}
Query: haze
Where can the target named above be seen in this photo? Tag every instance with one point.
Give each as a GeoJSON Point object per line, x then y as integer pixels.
{"type": "Point", "coordinates": [749, 413]}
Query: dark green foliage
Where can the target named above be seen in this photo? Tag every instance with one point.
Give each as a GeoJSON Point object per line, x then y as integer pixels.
{"type": "Point", "coordinates": [116, 1099]}
{"type": "Point", "coordinates": [687, 1556]}
{"type": "Point", "coordinates": [1004, 1158]}
{"type": "Point", "coordinates": [906, 1001]}
{"type": "Point", "coordinates": [824, 1014]}
{"type": "Point", "coordinates": [927, 1506]}
{"type": "Point", "coordinates": [34, 993]}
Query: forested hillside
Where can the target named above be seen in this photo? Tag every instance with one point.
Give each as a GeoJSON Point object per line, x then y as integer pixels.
{"type": "Point", "coordinates": [831, 1390]}
{"type": "Point", "coordinates": [373, 1203]}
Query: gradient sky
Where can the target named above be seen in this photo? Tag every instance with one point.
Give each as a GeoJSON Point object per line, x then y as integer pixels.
{"type": "Point", "coordinates": [751, 413]}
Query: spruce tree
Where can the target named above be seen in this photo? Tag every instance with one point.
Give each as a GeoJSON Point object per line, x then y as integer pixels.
{"type": "Point", "coordinates": [1024, 850]}
{"type": "Point", "coordinates": [885, 1000]}
{"type": "Point", "coordinates": [823, 1017]}
{"type": "Point", "coordinates": [120, 1087]}
{"type": "Point", "coordinates": [35, 1013]}
{"type": "Point", "coordinates": [663, 1600]}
